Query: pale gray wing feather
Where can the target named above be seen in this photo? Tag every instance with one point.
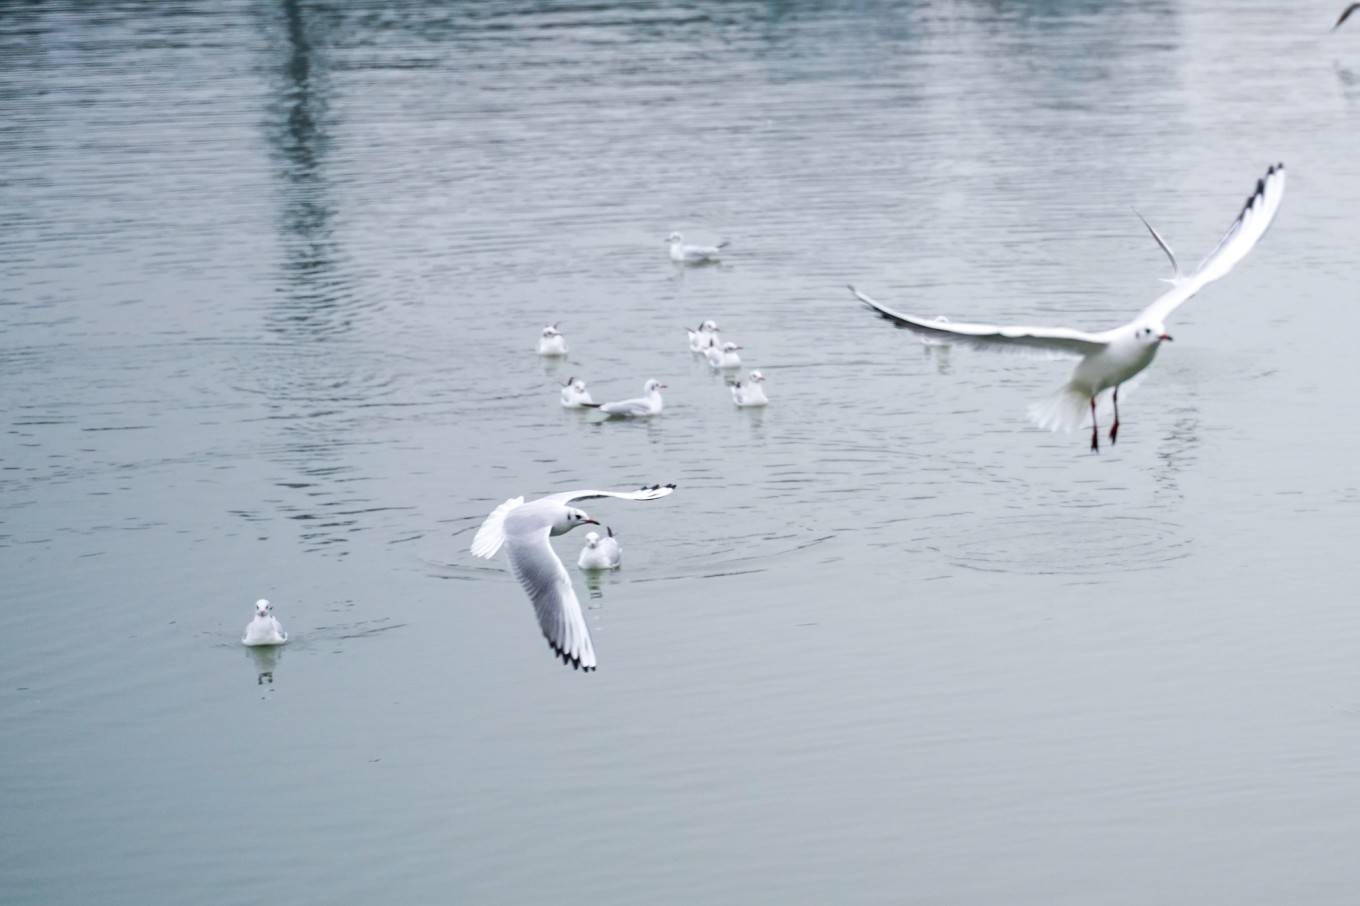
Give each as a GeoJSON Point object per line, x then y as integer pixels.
{"type": "Point", "coordinates": [491, 535]}
{"type": "Point", "coordinates": [651, 492]}
{"type": "Point", "coordinates": [1257, 215]}
{"type": "Point", "coordinates": [1059, 340]}
{"type": "Point", "coordinates": [626, 407]}
{"type": "Point", "coordinates": [546, 582]}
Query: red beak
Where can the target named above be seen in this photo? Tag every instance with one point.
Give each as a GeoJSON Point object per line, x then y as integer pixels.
{"type": "Point", "coordinates": [589, 522]}
{"type": "Point", "coordinates": [1165, 336]}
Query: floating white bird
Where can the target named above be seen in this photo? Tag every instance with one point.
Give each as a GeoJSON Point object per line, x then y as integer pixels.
{"type": "Point", "coordinates": [575, 395]}
{"type": "Point", "coordinates": [1111, 357]}
{"type": "Point", "coordinates": [724, 357]}
{"type": "Point", "coordinates": [751, 393]}
{"type": "Point", "coordinates": [704, 337]}
{"type": "Point", "coordinates": [600, 553]}
{"type": "Point", "coordinates": [692, 254]}
{"type": "Point", "coordinates": [265, 628]}
{"type": "Point", "coordinates": [641, 407]}
{"type": "Point", "coordinates": [552, 343]}
{"type": "Point", "coordinates": [524, 528]}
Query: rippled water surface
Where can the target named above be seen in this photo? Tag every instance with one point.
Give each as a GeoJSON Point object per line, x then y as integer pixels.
{"type": "Point", "coordinates": [271, 275]}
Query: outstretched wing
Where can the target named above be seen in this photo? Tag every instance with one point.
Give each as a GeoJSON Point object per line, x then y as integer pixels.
{"type": "Point", "coordinates": [491, 535]}
{"type": "Point", "coordinates": [1060, 340]}
{"type": "Point", "coordinates": [1247, 230]}
{"type": "Point", "coordinates": [1346, 14]}
{"type": "Point", "coordinates": [647, 492]}
{"type": "Point", "coordinates": [548, 586]}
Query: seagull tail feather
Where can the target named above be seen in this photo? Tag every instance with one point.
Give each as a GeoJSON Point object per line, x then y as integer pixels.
{"type": "Point", "coordinates": [1065, 410]}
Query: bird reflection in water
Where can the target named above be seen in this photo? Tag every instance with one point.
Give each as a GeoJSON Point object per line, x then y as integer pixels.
{"type": "Point", "coordinates": [265, 660]}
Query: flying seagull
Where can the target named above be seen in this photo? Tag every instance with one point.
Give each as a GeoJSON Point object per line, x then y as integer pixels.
{"type": "Point", "coordinates": [1111, 357]}
{"type": "Point", "coordinates": [523, 529]}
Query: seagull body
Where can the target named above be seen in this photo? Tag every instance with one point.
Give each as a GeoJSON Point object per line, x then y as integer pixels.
{"type": "Point", "coordinates": [704, 337]}
{"type": "Point", "coordinates": [1111, 357]}
{"type": "Point", "coordinates": [647, 405]}
{"type": "Point", "coordinates": [724, 357]}
{"type": "Point", "coordinates": [523, 529]}
{"type": "Point", "coordinates": [551, 342]}
{"type": "Point", "coordinates": [600, 553]}
{"type": "Point", "coordinates": [575, 395]}
{"type": "Point", "coordinates": [265, 628]}
{"type": "Point", "coordinates": [752, 393]}
{"type": "Point", "coordinates": [693, 254]}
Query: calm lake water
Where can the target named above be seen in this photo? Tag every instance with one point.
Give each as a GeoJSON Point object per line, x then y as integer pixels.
{"type": "Point", "coordinates": [271, 275]}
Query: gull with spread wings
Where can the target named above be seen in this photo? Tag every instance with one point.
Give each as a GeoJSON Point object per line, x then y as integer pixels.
{"type": "Point", "coordinates": [1111, 357]}
{"type": "Point", "coordinates": [523, 529]}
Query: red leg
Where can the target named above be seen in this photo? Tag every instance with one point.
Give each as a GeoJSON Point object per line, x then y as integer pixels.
{"type": "Point", "coordinates": [1114, 429]}
{"type": "Point", "coordinates": [1095, 433]}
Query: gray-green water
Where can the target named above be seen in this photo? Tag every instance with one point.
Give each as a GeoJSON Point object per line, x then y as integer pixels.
{"type": "Point", "coordinates": [270, 281]}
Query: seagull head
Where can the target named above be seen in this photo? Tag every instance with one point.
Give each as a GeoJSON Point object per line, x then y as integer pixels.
{"type": "Point", "coordinates": [653, 386]}
{"type": "Point", "coordinates": [262, 608]}
{"type": "Point", "coordinates": [550, 330]}
{"type": "Point", "coordinates": [730, 347]}
{"type": "Point", "coordinates": [757, 377]}
{"type": "Point", "coordinates": [592, 539]}
{"type": "Point", "coordinates": [1152, 334]}
{"type": "Point", "coordinates": [709, 327]}
{"type": "Point", "coordinates": [569, 518]}
{"type": "Point", "coordinates": [673, 238]}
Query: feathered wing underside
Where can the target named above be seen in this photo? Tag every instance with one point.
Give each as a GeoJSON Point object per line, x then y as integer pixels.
{"type": "Point", "coordinates": [646, 492]}
{"type": "Point", "coordinates": [491, 535]}
{"type": "Point", "coordinates": [1053, 340]}
{"type": "Point", "coordinates": [548, 585]}
{"type": "Point", "coordinates": [1251, 224]}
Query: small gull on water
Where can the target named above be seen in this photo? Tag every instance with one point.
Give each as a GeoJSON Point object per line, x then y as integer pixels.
{"type": "Point", "coordinates": [693, 254]}
{"type": "Point", "coordinates": [575, 395]}
{"type": "Point", "coordinates": [724, 357]}
{"type": "Point", "coordinates": [600, 553]}
{"type": "Point", "coordinates": [704, 337]}
{"type": "Point", "coordinates": [551, 342]}
{"type": "Point", "coordinates": [640, 407]}
{"type": "Point", "coordinates": [523, 529]}
{"type": "Point", "coordinates": [752, 393]}
{"type": "Point", "coordinates": [1111, 357]}
{"type": "Point", "coordinates": [265, 628]}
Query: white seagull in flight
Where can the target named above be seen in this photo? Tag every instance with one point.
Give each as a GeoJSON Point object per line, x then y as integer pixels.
{"type": "Point", "coordinates": [1111, 357]}
{"type": "Point", "coordinates": [523, 529]}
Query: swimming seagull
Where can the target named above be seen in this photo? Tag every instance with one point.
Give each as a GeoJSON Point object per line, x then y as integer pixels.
{"type": "Point", "coordinates": [600, 553]}
{"type": "Point", "coordinates": [524, 529]}
{"type": "Point", "coordinates": [752, 393]}
{"type": "Point", "coordinates": [575, 395]}
{"type": "Point", "coordinates": [265, 628]}
{"type": "Point", "coordinates": [693, 254]}
{"type": "Point", "coordinates": [1346, 15]}
{"type": "Point", "coordinates": [1111, 357]}
{"type": "Point", "coordinates": [552, 343]}
{"type": "Point", "coordinates": [704, 337]}
{"type": "Point", "coordinates": [640, 407]}
{"type": "Point", "coordinates": [724, 357]}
